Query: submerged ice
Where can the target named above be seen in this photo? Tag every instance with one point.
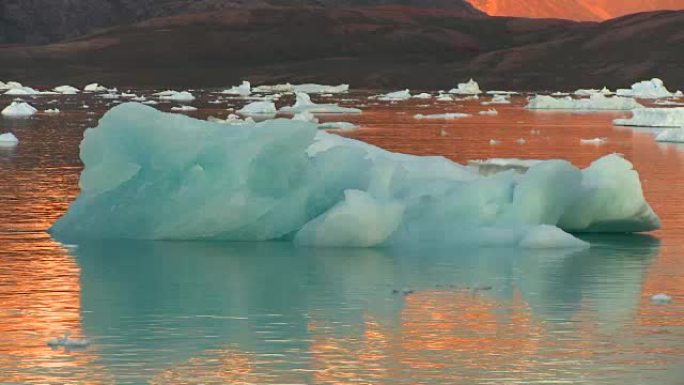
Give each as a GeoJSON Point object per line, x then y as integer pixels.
{"type": "Point", "coordinates": [155, 175]}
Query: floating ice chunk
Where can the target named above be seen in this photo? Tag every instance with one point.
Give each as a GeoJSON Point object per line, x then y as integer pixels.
{"type": "Point", "coordinates": [672, 135]}
{"type": "Point", "coordinates": [560, 94]}
{"type": "Point", "coordinates": [175, 96]}
{"type": "Point", "coordinates": [502, 93]}
{"type": "Point", "coordinates": [150, 102]}
{"type": "Point", "coordinates": [594, 141]}
{"type": "Point", "coordinates": [305, 116]}
{"type": "Point", "coordinates": [311, 88]}
{"type": "Point", "coordinates": [445, 98]}
{"type": "Point", "coordinates": [496, 165]}
{"type": "Point", "coordinates": [127, 95]}
{"type": "Point", "coordinates": [287, 87]}
{"type": "Point", "coordinates": [303, 103]}
{"type": "Point", "coordinates": [360, 220]}
{"type": "Point", "coordinates": [94, 87]}
{"type": "Point", "coordinates": [167, 176]}
{"type": "Point", "coordinates": [109, 96]}
{"type": "Point", "coordinates": [422, 95]}
{"type": "Point", "coordinates": [445, 116]}
{"type": "Point", "coordinates": [66, 90]}
{"type": "Point", "coordinates": [138, 99]}
{"type": "Point", "coordinates": [589, 92]}
{"type": "Point", "coordinates": [264, 107]}
{"type": "Point", "coordinates": [494, 142]}
{"type": "Point", "coordinates": [18, 109]}
{"type": "Point", "coordinates": [184, 109]}
{"type": "Point", "coordinates": [648, 89]}
{"type": "Point", "coordinates": [52, 111]}
{"type": "Point", "coordinates": [8, 140]}
{"type": "Point", "coordinates": [469, 88]}
{"type": "Point", "coordinates": [490, 112]}
{"type": "Point", "coordinates": [345, 126]}
{"type": "Point", "coordinates": [593, 103]}
{"type": "Point", "coordinates": [668, 103]}
{"type": "Point", "coordinates": [661, 299]}
{"type": "Point", "coordinates": [395, 96]}
{"type": "Point", "coordinates": [232, 119]}
{"type": "Point", "coordinates": [521, 141]}
{"type": "Point", "coordinates": [244, 89]}
{"type": "Point", "coordinates": [550, 237]}
{"type": "Point", "coordinates": [68, 342]}
{"type": "Point", "coordinates": [498, 99]}
{"type": "Point", "coordinates": [467, 98]}
{"type": "Point", "coordinates": [654, 117]}
{"type": "Point", "coordinates": [21, 91]}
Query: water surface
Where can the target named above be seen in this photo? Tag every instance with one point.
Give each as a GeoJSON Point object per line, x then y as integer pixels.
{"type": "Point", "coordinates": [218, 313]}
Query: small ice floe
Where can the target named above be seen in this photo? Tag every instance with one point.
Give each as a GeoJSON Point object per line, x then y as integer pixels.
{"type": "Point", "coordinates": [594, 141]}
{"type": "Point", "coordinates": [67, 342]}
{"type": "Point", "coordinates": [535, 132]}
{"type": "Point", "coordinates": [22, 91]}
{"type": "Point", "coordinates": [589, 92]}
{"type": "Point", "coordinates": [66, 90]}
{"type": "Point", "coordinates": [94, 87]}
{"type": "Point", "coordinates": [654, 117]}
{"type": "Point", "coordinates": [305, 116]}
{"type": "Point", "coordinates": [422, 95]}
{"type": "Point", "coordinates": [184, 109]}
{"type": "Point", "coordinates": [661, 299]}
{"type": "Point", "coordinates": [8, 140]}
{"type": "Point", "coordinates": [344, 126]}
{"type": "Point", "coordinates": [498, 99]}
{"type": "Point", "coordinates": [175, 96]}
{"type": "Point", "coordinates": [18, 109]}
{"type": "Point", "coordinates": [244, 89]}
{"type": "Point", "coordinates": [560, 94]}
{"type": "Point", "coordinates": [151, 102]}
{"type": "Point", "coordinates": [445, 116]}
{"type": "Point", "coordinates": [127, 95]}
{"type": "Point", "coordinates": [110, 96]}
{"type": "Point", "coordinates": [671, 135]}
{"type": "Point", "coordinates": [395, 96]}
{"type": "Point", "coordinates": [521, 141]}
{"type": "Point", "coordinates": [259, 108]}
{"type": "Point", "coordinates": [468, 88]}
{"type": "Point", "coordinates": [494, 142]}
{"type": "Point", "coordinates": [443, 132]}
{"type": "Point", "coordinates": [596, 102]}
{"type": "Point", "coordinates": [312, 88]}
{"type": "Point", "coordinates": [52, 111]}
{"type": "Point", "coordinates": [139, 99]}
{"type": "Point", "coordinates": [303, 103]}
{"type": "Point", "coordinates": [490, 112]}
{"type": "Point", "coordinates": [648, 89]}
{"type": "Point", "coordinates": [444, 98]}
{"type": "Point", "coordinates": [503, 93]}
{"type": "Point", "coordinates": [232, 119]}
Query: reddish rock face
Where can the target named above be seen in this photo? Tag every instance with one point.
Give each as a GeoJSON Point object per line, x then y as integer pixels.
{"type": "Point", "coordinates": [573, 9]}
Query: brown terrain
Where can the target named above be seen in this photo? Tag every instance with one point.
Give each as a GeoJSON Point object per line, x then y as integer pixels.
{"type": "Point", "coordinates": [380, 46]}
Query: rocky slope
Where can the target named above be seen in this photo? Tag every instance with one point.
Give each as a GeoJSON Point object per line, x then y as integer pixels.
{"type": "Point", "coordinates": [369, 47]}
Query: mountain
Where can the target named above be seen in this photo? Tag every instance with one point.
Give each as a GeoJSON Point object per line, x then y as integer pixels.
{"type": "Point", "coordinates": [574, 9]}
{"type": "Point", "coordinates": [45, 21]}
{"type": "Point", "coordinates": [369, 47]}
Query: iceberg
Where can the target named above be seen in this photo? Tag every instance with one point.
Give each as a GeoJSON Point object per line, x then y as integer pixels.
{"type": "Point", "coordinates": [94, 87]}
{"type": "Point", "coordinates": [654, 117]}
{"type": "Point", "coordinates": [648, 89]}
{"type": "Point", "coordinates": [244, 89]}
{"type": "Point", "coordinates": [445, 116]}
{"type": "Point", "coordinates": [672, 135]}
{"type": "Point", "coordinates": [259, 108]}
{"type": "Point", "coordinates": [18, 109]}
{"type": "Point", "coordinates": [160, 176]}
{"type": "Point", "coordinates": [8, 140]}
{"type": "Point", "coordinates": [303, 103]}
{"type": "Point", "coordinates": [66, 90]}
{"type": "Point", "coordinates": [595, 102]}
{"type": "Point", "coordinates": [395, 96]}
{"type": "Point", "coordinates": [469, 88]}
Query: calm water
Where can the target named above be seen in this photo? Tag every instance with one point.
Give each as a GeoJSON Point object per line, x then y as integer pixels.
{"type": "Point", "coordinates": [195, 313]}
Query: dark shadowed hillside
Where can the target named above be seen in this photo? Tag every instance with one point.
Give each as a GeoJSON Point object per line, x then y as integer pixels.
{"type": "Point", "coordinates": [369, 47]}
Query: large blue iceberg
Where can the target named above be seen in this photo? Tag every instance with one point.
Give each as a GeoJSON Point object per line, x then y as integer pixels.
{"type": "Point", "coordinates": [158, 176]}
